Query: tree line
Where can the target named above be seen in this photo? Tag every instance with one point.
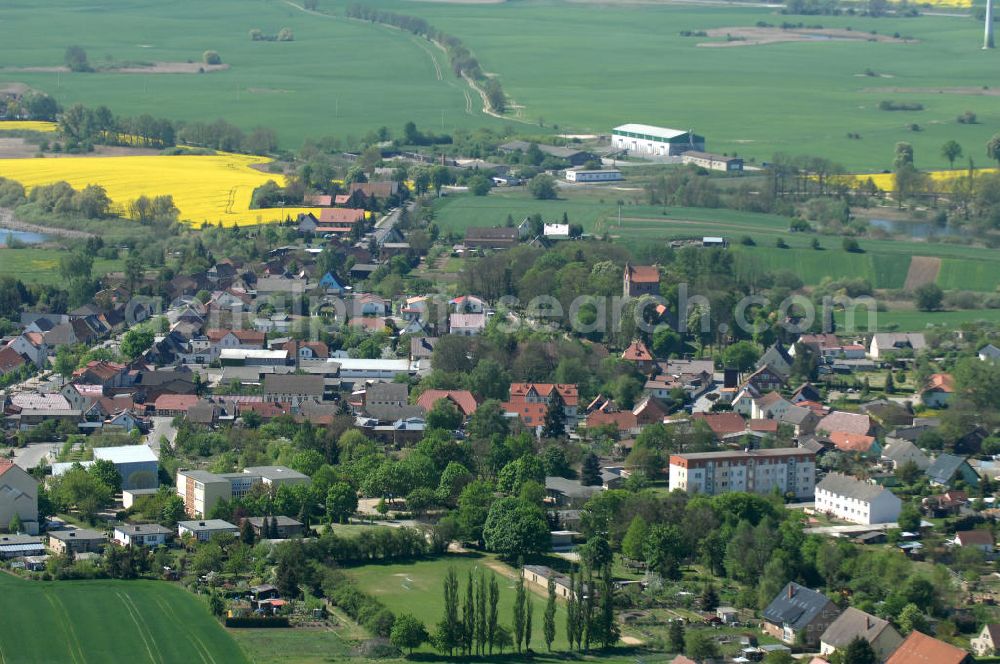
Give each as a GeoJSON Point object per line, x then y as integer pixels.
{"type": "Point", "coordinates": [462, 62]}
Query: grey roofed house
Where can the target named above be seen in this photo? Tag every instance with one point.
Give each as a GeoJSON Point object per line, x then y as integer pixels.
{"type": "Point", "coordinates": [899, 451]}
{"type": "Point", "coordinates": [563, 490]}
{"type": "Point", "coordinates": [796, 607]}
{"type": "Point", "coordinates": [850, 486]}
{"type": "Point", "coordinates": [572, 155]}
{"type": "Point", "coordinates": [422, 347]}
{"type": "Point", "coordinates": [799, 417]}
{"type": "Point", "coordinates": [387, 402]}
{"type": "Point", "coordinates": [854, 623]}
{"type": "Point", "coordinates": [989, 352]}
{"type": "Point", "coordinates": [947, 468]}
{"type": "Point", "coordinates": [495, 238]}
{"type": "Point", "coordinates": [777, 359]}
{"type": "Point", "coordinates": [297, 385]}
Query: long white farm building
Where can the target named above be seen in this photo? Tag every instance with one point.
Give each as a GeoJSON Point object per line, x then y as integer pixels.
{"type": "Point", "coordinates": [641, 139]}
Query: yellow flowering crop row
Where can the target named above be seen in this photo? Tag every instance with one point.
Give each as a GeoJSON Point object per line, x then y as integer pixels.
{"type": "Point", "coordinates": [28, 125]}
{"type": "Point", "coordinates": [206, 188]}
{"type": "Point", "coordinates": [887, 181]}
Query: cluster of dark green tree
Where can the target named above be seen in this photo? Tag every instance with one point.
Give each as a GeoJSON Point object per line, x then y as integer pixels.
{"type": "Point", "coordinates": [754, 541]}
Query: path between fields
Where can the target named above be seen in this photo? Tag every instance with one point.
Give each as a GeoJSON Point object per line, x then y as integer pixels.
{"type": "Point", "coordinates": [923, 270]}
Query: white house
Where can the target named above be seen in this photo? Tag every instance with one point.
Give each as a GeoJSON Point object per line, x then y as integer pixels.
{"type": "Point", "coordinates": [556, 231]}
{"type": "Point", "coordinates": [771, 406]}
{"type": "Point", "coordinates": [142, 534]}
{"type": "Point", "coordinates": [886, 342]}
{"type": "Point", "coordinates": [989, 353]}
{"type": "Point", "coordinates": [466, 325]}
{"type": "Point", "coordinates": [848, 498]}
{"type": "Point", "coordinates": [203, 530]}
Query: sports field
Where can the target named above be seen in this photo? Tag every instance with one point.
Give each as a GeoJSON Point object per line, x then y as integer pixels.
{"type": "Point", "coordinates": [206, 188]}
{"type": "Point", "coordinates": [104, 622]}
{"type": "Point", "coordinates": [584, 66]}
{"type": "Point", "coordinates": [417, 588]}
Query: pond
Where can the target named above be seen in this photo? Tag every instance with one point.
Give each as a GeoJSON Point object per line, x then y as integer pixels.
{"type": "Point", "coordinates": [24, 237]}
{"type": "Point", "coordinates": [916, 229]}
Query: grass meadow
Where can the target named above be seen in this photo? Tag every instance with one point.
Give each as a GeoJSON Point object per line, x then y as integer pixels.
{"type": "Point", "coordinates": [41, 265]}
{"type": "Point", "coordinates": [418, 588]}
{"type": "Point", "coordinates": [105, 622]}
{"type": "Point", "coordinates": [567, 66]}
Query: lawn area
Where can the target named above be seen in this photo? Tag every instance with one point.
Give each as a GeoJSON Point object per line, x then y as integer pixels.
{"type": "Point", "coordinates": [417, 588]}
{"type": "Point", "coordinates": [108, 621]}
{"type": "Point", "coordinates": [41, 266]}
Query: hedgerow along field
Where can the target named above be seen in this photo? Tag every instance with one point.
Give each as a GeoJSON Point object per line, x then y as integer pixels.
{"type": "Point", "coordinates": [583, 66]}
{"type": "Point", "coordinates": [107, 622]}
{"type": "Point", "coordinates": [206, 188]}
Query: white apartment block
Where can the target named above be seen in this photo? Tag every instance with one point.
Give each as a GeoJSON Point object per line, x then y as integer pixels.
{"type": "Point", "coordinates": [848, 498]}
{"type": "Point", "coordinates": [790, 470]}
{"type": "Point", "coordinates": [202, 490]}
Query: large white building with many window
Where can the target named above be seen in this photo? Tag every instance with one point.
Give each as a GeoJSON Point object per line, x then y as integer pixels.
{"type": "Point", "coordinates": [790, 470]}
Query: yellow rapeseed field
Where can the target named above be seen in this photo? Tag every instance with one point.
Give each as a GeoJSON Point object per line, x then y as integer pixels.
{"type": "Point", "coordinates": [887, 181]}
{"type": "Point", "coordinates": [28, 125]}
{"type": "Point", "coordinates": [206, 188]}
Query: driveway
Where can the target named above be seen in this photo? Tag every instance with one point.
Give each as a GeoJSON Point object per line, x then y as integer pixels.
{"type": "Point", "coordinates": [30, 456]}
{"type": "Point", "coordinates": [162, 427]}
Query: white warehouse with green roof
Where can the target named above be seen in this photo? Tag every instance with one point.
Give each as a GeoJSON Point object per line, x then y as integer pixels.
{"type": "Point", "coordinates": [641, 139]}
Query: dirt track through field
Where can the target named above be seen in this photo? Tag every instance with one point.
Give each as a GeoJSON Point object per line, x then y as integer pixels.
{"type": "Point", "coordinates": [923, 270]}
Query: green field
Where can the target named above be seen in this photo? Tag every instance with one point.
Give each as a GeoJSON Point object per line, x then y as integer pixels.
{"type": "Point", "coordinates": [131, 622]}
{"type": "Point", "coordinates": [417, 588]}
{"type": "Point", "coordinates": [915, 321]}
{"type": "Point", "coordinates": [41, 266]}
{"type": "Point", "coordinates": [884, 263]}
{"type": "Point", "coordinates": [583, 66]}
{"type": "Point", "coordinates": [338, 78]}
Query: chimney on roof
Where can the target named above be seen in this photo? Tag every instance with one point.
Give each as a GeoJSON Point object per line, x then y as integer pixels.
{"type": "Point", "coordinates": [868, 622]}
{"type": "Point", "coordinates": [791, 591]}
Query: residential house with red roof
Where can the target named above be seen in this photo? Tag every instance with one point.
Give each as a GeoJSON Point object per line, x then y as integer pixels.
{"type": "Point", "coordinates": [938, 391]}
{"type": "Point", "coordinates": [722, 424]}
{"type": "Point", "coordinates": [918, 648]}
{"type": "Point", "coordinates": [11, 360]}
{"type": "Point", "coordinates": [530, 401]}
{"type": "Point", "coordinates": [463, 400]}
{"type": "Point", "coordinates": [638, 352]}
{"type": "Point", "coordinates": [856, 443]}
{"type": "Point", "coordinates": [100, 372]}
{"type": "Point", "coordinates": [976, 539]}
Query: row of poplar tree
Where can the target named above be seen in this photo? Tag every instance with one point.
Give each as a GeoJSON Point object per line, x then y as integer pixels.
{"type": "Point", "coordinates": [471, 626]}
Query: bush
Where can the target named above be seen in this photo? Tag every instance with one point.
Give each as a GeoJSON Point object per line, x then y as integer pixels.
{"type": "Point", "coordinates": [211, 58]}
{"type": "Point", "coordinates": [887, 105]}
{"type": "Point", "coordinates": [851, 246]}
{"type": "Point", "coordinates": [967, 118]}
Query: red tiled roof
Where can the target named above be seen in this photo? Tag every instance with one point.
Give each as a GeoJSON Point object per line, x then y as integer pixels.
{"type": "Point", "coordinates": [10, 359]}
{"type": "Point", "coordinates": [463, 399]}
{"type": "Point", "coordinates": [851, 442]}
{"type": "Point", "coordinates": [974, 538]}
{"type": "Point", "coordinates": [340, 199]}
{"type": "Point", "coordinates": [340, 215]}
{"type": "Point", "coordinates": [569, 393]}
{"type": "Point", "coordinates": [637, 352]}
{"type": "Point", "coordinates": [5, 465]}
{"type": "Point", "coordinates": [941, 382]}
{"type": "Point", "coordinates": [622, 420]}
{"type": "Point", "coordinates": [722, 424]}
{"type": "Point", "coordinates": [245, 336]}
{"type": "Point", "coordinates": [532, 414]}
{"type": "Point", "coordinates": [371, 324]}
{"type": "Point", "coordinates": [179, 402]}
{"type": "Point", "coordinates": [763, 425]}
{"type": "Point", "coordinates": [266, 409]}
{"type": "Point", "coordinates": [839, 421]}
{"type": "Point", "coordinates": [319, 348]}
{"type": "Point", "coordinates": [922, 649]}
{"type": "Point", "coordinates": [101, 369]}
{"type": "Point", "coordinates": [644, 273]}
{"type": "Point", "coordinates": [317, 200]}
